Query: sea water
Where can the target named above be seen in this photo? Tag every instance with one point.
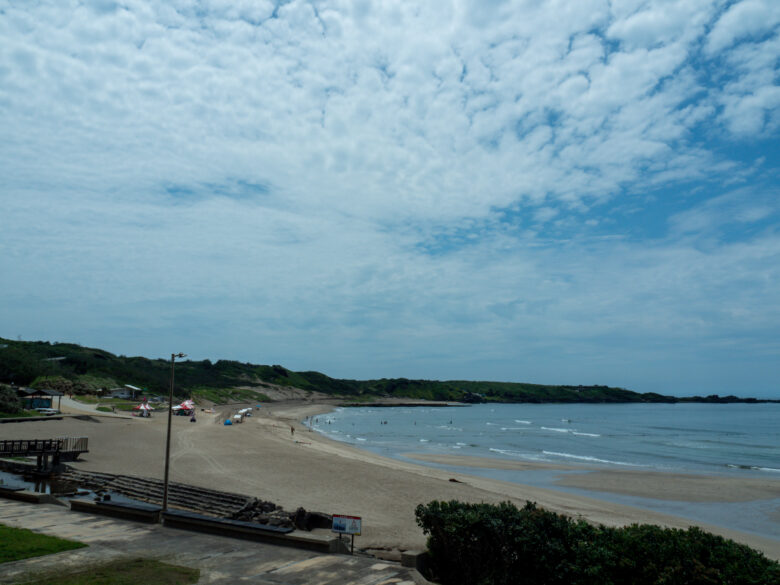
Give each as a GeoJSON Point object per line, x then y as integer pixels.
{"type": "Point", "coordinates": [740, 440]}
{"type": "Point", "coordinates": [714, 438]}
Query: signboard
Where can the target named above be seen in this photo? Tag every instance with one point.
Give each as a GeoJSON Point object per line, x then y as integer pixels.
{"type": "Point", "coordinates": [346, 524]}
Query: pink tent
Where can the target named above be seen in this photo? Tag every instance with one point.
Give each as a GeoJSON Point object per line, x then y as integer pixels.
{"type": "Point", "coordinates": [186, 407]}
{"type": "Point", "coordinates": [144, 408]}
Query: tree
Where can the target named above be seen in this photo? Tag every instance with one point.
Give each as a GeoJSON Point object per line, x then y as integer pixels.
{"type": "Point", "coordinates": [10, 403]}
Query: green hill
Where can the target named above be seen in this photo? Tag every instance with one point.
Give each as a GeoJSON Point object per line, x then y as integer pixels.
{"type": "Point", "coordinates": [83, 370]}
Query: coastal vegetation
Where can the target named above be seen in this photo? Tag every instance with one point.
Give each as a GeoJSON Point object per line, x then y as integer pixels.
{"type": "Point", "coordinates": [9, 402]}
{"type": "Point", "coordinates": [20, 543]}
{"type": "Point", "coordinates": [71, 368]}
{"type": "Point", "coordinates": [485, 544]}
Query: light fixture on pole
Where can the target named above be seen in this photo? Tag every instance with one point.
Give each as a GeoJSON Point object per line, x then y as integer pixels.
{"type": "Point", "coordinates": [168, 440]}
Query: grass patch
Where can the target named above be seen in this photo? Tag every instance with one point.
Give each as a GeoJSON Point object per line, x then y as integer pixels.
{"type": "Point", "coordinates": [86, 399]}
{"type": "Point", "coordinates": [358, 398]}
{"type": "Point", "coordinates": [20, 543]}
{"type": "Point", "coordinates": [225, 395]}
{"type": "Point", "coordinates": [91, 399]}
{"type": "Point", "coordinates": [112, 404]}
{"type": "Point", "coordinates": [124, 572]}
{"type": "Point", "coordinates": [23, 459]}
{"type": "Point", "coordinates": [19, 414]}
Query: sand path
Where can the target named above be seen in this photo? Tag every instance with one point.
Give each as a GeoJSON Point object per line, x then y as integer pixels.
{"type": "Point", "coordinates": [70, 406]}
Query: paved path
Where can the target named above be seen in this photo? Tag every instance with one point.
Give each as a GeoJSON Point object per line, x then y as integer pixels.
{"type": "Point", "coordinates": [221, 560]}
{"type": "Point", "coordinates": [68, 405]}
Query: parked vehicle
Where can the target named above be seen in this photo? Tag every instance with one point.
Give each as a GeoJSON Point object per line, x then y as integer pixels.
{"type": "Point", "coordinates": [47, 411]}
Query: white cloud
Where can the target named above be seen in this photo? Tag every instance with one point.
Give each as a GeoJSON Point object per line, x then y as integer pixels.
{"type": "Point", "coordinates": [661, 23]}
{"type": "Point", "coordinates": [545, 214]}
{"type": "Point", "coordinates": [385, 178]}
{"type": "Point", "coordinates": [750, 98]}
{"type": "Point", "coordinates": [385, 106]}
{"type": "Point", "coordinates": [742, 206]}
{"type": "Point", "coordinates": [748, 18]}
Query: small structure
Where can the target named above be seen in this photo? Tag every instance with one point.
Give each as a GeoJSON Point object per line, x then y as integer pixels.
{"type": "Point", "coordinates": [38, 398]}
{"type": "Point", "coordinates": [128, 391]}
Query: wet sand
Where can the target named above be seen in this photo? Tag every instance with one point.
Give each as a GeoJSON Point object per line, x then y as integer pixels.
{"type": "Point", "coordinates": [676, 487]}
{"type": "Point", "coordinates": [263, 459]}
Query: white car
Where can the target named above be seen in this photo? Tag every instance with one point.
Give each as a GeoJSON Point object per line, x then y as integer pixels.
{"type": "Point", "coordinates": [48, 411]}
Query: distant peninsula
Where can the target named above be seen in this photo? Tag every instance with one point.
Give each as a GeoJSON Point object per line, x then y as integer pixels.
{"type": "Point", "coordinates": [73, 368]}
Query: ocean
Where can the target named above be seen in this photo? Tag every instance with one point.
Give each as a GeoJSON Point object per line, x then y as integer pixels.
{"type": "Point", "coordinates": [741, 440]}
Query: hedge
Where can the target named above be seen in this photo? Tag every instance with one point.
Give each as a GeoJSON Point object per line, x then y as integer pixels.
{"type": "Point", "coordinates": [485, 544]}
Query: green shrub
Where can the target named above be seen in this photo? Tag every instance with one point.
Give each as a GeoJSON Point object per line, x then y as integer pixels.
{"type": "Point", "coordinates": [484, 544]}
{"type": "Point", "coordinates": [649, 555]}
{"type": "Point", "coordinates": [9, 401]}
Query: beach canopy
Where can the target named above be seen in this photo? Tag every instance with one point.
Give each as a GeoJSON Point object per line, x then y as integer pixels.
{"type": "Point", "coordinates": [143, 406]}
{"type": "Point", "coordinates": [187, 404]}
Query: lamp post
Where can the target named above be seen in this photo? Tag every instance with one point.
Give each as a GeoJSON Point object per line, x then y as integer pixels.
{"type": "Point", "coordinates": [168, 440]}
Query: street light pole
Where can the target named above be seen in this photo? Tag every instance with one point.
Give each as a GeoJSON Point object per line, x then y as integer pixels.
{"type": "Point", "coordinates": [168, 440]}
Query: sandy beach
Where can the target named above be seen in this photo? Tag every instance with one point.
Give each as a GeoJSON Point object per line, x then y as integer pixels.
{"type": "Point", "coordinates": [263, 458]}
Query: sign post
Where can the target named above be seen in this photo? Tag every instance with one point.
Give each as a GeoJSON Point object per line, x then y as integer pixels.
{"type": "Point", "coordinates": [347, 525]}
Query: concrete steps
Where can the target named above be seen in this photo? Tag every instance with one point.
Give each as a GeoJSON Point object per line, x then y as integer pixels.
{"type": "Point", "coordinates": [185, 497]}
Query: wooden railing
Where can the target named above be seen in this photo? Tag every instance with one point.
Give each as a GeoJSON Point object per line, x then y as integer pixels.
{"type": "Point", "coordinates": [22, 447]}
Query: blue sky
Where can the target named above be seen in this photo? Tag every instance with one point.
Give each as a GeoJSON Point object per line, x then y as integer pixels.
{"type": "Point", "coordinates": [554, 192]}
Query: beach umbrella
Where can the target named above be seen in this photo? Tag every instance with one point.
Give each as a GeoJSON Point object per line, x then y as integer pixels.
{"type": "Point", "coordinates": [144, 408]}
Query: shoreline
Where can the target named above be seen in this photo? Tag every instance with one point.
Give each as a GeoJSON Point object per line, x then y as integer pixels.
{"type": "Point", "coordinates": [660, 485]}
{"type": "Point", "coordinates": [654, 485]}
{"type": "Point", "coordinates": [264, 458]}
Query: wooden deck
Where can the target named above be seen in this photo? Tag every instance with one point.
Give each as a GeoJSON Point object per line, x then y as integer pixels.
{"type": "Point", "coordinates": [61, 449]}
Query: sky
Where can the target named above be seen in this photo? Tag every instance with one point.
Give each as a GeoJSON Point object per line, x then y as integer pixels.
{"type": "Point", "coordinates": [562, 192]}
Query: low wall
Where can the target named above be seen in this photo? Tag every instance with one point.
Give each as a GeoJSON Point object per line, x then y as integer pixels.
{"type": "Point", "coordinates": [22, 495]}
{"type": "Point", "coordinates": [250, 531]}
{"type": "Point", "coordinates": [139, 512]}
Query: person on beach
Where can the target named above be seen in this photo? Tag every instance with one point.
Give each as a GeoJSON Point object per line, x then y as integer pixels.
{"type": "Point", "coordinates": [292, 431]}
